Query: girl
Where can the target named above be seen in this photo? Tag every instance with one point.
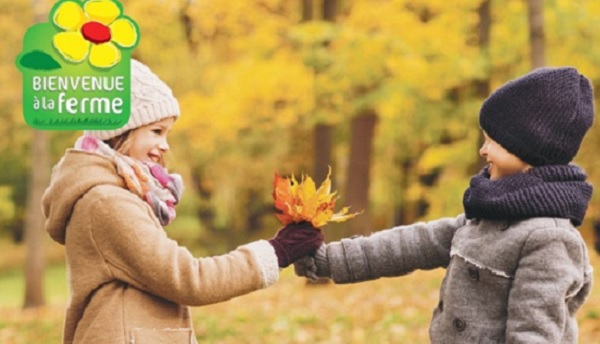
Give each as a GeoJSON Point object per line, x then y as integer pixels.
{"type": "Point", "coordinates": [107, 202]}
{"type": "Point", "coordinates": [517, 269]}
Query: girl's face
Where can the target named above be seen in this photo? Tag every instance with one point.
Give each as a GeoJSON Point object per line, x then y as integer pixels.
{"type": "Point", "coordinates": [149, 143]}
{"type": "Point", "coordinates": [501, 162]}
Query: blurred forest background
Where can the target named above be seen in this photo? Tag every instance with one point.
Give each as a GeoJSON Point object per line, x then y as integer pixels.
{"type": "Point", "coordinates": [386, 92]}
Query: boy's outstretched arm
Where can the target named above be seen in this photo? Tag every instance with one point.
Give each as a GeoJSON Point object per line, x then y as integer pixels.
{"type": "Point", "coordinates": [392, 252]}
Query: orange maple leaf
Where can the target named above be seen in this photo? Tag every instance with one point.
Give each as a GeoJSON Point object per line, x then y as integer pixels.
{"type": "Point", "coordinates": [303, 201]}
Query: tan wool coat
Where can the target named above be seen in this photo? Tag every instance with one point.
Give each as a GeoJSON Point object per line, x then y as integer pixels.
{"type": "Point", "coordinates": [130, 283]}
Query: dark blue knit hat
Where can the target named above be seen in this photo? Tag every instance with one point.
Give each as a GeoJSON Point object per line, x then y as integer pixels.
{"type": "Point", "coordinates": [542, 116]}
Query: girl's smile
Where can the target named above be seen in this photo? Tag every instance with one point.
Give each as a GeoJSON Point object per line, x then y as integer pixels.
{"type": "Point", "coordinates": [150, 141]}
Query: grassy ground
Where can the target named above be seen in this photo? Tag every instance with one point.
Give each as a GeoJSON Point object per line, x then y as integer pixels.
{"type": "Point", "coordinates": [394, 310]}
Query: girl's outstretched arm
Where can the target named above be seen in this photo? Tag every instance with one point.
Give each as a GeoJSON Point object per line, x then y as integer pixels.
{"type": "Point", "coordinates": [136, 250]}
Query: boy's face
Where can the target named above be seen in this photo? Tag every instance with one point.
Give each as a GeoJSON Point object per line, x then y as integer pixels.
{"type": "Point", "coordinates": [501, 162]}
{"type": "Point", "coordinates": [150, 141]}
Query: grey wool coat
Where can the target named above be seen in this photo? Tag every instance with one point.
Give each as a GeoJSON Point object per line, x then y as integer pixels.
{"type": "Point", "coordinates": [505, 282]}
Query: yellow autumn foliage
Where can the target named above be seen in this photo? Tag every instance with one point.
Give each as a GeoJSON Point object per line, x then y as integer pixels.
{"type": "Point", "coordinates": [253, 79]}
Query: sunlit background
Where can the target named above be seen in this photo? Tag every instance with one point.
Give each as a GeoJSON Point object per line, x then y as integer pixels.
{"type": "Point", "coordinates": [387, 93]}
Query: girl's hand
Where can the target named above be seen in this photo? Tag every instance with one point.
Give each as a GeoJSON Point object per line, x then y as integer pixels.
{"type": "Point", "coordinates": [295, 241]}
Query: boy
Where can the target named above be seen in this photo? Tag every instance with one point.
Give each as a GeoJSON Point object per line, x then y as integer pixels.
{"type": "Point", "coordinates": [517, 268]}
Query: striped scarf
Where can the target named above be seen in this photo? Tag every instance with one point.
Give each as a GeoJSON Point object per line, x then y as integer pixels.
{"type": "Point", "coordinates": [149, 181]}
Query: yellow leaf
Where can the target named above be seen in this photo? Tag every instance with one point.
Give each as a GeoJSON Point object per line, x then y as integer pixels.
{"type": "Point", "coordinates": [303, 201]}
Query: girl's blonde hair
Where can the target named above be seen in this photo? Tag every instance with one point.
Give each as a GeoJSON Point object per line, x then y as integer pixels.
{"type": "Point", "coordinates": [122, 144]}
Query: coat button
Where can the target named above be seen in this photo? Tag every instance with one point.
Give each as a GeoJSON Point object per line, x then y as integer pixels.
{"type": "Point", "coordinates": [473, 274]}
{"type": "Point", "coordinates": [459, 324]}
{"type": "Point", "coordinates": [441, 305]}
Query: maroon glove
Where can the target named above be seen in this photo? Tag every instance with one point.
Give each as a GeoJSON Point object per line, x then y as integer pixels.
{"type": "Point", "coordinates": [295, 241]}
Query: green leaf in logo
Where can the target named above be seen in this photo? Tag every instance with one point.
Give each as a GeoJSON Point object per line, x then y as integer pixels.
{"type": "Point", "coordinates": [39, 60]}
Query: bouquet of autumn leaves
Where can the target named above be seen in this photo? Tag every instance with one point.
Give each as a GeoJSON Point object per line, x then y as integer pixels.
{"type": "Point", "coordinates": [303, 201]}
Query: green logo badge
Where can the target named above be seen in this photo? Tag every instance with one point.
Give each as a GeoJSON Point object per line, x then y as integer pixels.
{"type": "Point", "coordinates": [76, 67]}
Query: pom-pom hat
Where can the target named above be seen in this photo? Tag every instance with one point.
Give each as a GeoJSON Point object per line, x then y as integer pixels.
{"type": "Point", "coordinates": [151, 100]}
{"type": "Point", "coordinates": [542, 116]}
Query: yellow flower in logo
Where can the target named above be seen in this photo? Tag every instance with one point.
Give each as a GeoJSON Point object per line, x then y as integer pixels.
{"type": "Point", "coordinates": [95, 30]}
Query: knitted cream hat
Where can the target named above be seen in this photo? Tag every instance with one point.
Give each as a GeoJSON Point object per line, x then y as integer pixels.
{"type": "Point", "coordinates": [151, 101]}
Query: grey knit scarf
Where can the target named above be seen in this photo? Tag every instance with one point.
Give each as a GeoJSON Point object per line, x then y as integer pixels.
{"type": "Point", "coordinates": [544, 191]}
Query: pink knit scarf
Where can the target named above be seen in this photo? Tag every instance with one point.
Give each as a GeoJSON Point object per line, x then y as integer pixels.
{"type": "Point", "coordinates": [149, 181]}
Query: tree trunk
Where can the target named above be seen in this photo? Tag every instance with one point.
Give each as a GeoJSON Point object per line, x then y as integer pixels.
{"type": "Point", "coordinates": [329, 10]}
{"type": "Point", "coordinates": [402, 210]}
{"type": "Point", "coordinates": [482, 87]}
{"type": "Point", "coordinates": [322, 151]}
{"type": "Point", "coordinates": [187, 22]}
{"type": "Point", "coordinates": [323, 133]}
{"type": "Point", "coordinates": [536, 32]}
{"type": "Point", "coordinates": [307, 10]}
{"type": "Point", "coordinates": [357, 187]}
{"type": "Point", "coordinates": [34, 220]}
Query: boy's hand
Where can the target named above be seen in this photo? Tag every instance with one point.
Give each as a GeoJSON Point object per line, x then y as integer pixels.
{"type": "Point", "coordinates": [314, 266]}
